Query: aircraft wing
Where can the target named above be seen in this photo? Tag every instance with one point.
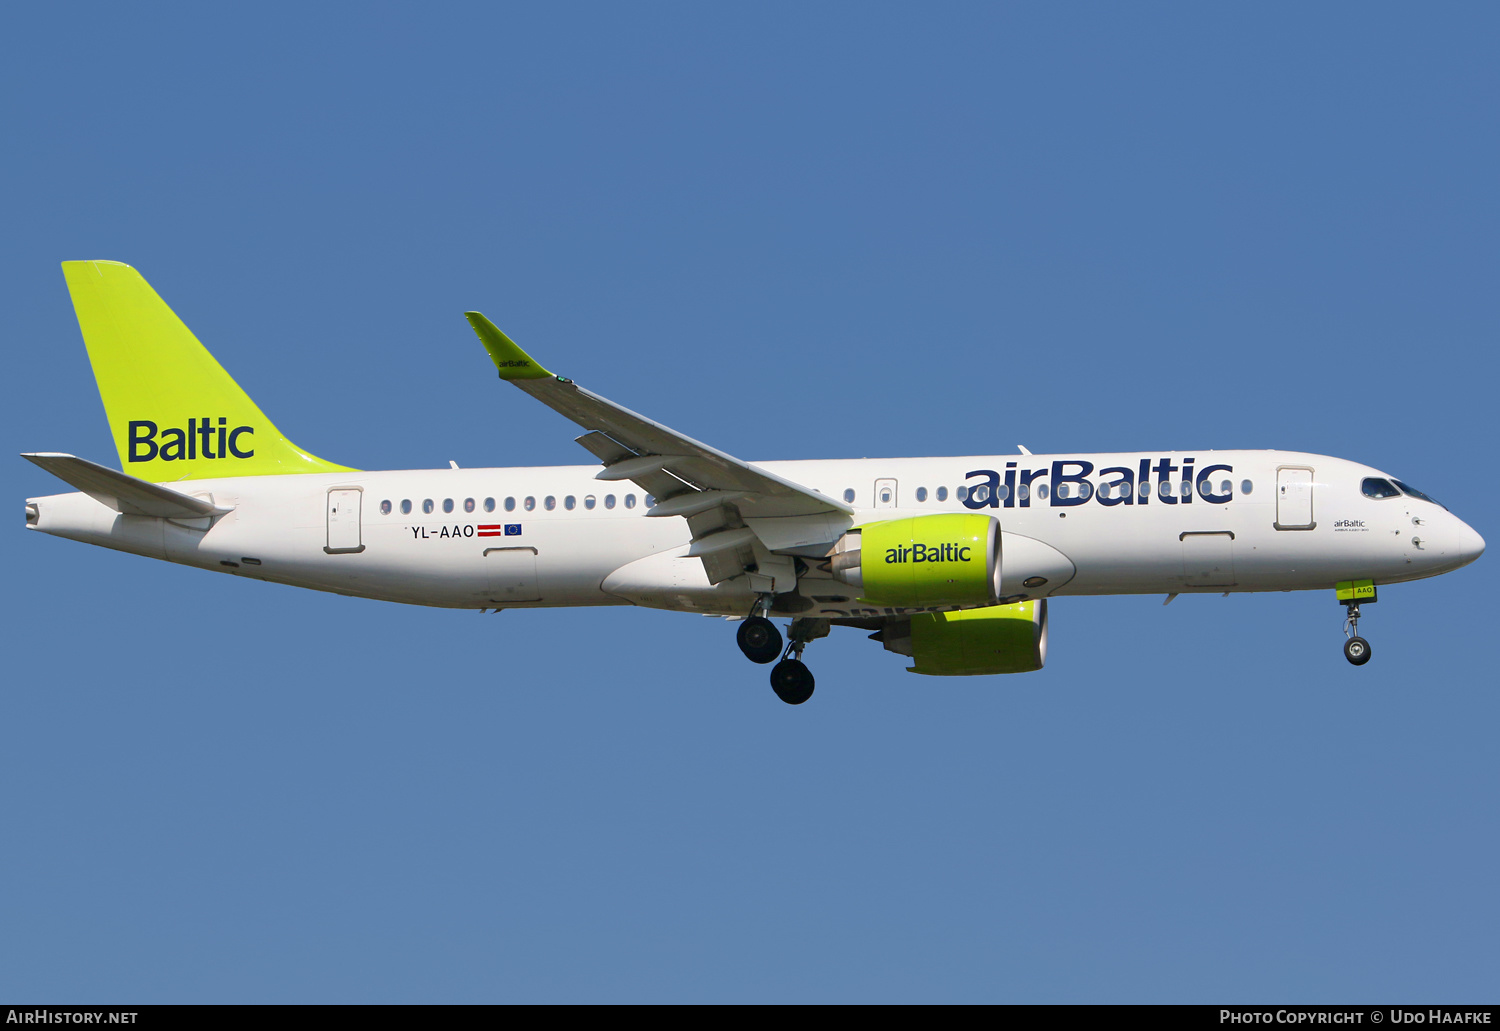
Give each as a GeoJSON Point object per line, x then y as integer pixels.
{"type": "Point", "coordinates": [731, 505]}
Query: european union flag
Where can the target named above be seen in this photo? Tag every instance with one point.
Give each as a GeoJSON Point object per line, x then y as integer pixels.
{"type": "Point", "coordinates": [512, 529]}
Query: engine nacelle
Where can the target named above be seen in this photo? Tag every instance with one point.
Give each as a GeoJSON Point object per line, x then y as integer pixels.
{"type": "Point", "coordinates": [975, 642]}
{"type": "Point", "coordinates": [923, 562]}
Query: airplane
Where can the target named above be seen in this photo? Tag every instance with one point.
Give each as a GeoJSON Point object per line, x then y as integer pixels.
{"type": "Point", "coordinates": [950, 562]}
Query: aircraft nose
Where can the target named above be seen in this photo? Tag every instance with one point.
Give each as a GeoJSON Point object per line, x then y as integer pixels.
{"type": "Point", "coordinates": [1469, 544]}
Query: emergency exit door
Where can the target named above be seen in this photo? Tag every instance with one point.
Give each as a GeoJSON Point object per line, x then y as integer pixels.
{"type": "Point", "coordinates": [343, 522]}
{"type": "Point", "coordinates": [511, 574]}
{"type": "Point", "coordinates": [1294, 498]}
{"type": "Point", "coordinates": [885, 493]}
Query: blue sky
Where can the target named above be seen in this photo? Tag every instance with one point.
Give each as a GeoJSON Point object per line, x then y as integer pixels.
{"type": "Point", "coordinates": [795, 232]}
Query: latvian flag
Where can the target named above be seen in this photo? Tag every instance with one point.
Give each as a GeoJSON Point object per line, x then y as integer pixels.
{"type": "Point", "coordinates": [489, 530]}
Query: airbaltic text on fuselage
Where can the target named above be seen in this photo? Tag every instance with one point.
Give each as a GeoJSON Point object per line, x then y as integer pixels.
{"type": "Point", "coordinates": [1065, 484]}
{"type": "Point", "coordinates": [201, 439]}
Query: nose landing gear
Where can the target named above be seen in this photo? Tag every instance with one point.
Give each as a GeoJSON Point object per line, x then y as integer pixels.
{"type": "Point", "coordinates": [1350, 593]}
{"type": "Point", "coordinates": [1356, 648]}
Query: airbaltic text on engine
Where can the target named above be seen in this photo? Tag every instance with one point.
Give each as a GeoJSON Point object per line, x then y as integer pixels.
{"type": "Point", "coordinates": [928, 553]}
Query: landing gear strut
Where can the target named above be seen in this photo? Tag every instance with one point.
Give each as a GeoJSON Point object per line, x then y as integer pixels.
{"type": "Point", "coordinates": [1356, 648]}
{"type": "Point", "coordinates": [790, 678]}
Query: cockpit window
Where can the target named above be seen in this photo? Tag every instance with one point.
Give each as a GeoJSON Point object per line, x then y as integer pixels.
{"type": "Point", "coordinates": [1375, 487]}
{"type": "Point", "coordinates": [1418, 494]}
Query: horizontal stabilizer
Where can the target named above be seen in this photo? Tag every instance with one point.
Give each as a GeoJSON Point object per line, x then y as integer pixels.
{"type": "Point", "coordinates": [122, 492]}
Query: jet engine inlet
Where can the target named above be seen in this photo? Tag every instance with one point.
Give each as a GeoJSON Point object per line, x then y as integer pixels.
{"type": "Point", "coordinates": [922, 562]}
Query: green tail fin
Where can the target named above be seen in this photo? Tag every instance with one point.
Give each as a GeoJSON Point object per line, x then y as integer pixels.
{"type": "Point", "coordinates": [174, 412]}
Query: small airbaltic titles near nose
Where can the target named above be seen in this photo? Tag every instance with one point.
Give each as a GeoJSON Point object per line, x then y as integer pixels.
{"type": "Point", "coordinates": [950, 561]}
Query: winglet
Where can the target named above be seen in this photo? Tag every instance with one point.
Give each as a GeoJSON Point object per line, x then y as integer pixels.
{"type": "Point", "coordinates": [508, 357]}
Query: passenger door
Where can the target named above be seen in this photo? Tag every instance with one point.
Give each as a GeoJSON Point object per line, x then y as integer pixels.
{"type": "Point", "coordinates": [1294, 498]}
{"type": "Point", "coordinates": [343, 522]}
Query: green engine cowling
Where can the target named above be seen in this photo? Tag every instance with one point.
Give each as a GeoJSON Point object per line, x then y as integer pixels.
{"type": "Point", "coordinates": [923, 561]}
{"type": "Point", "coordinates": [978, 642]}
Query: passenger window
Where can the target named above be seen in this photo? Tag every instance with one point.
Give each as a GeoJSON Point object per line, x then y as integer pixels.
{"type": "Point", "coordinates": [1041, 491]}
{"type": "Point", "coordinates": [427, 506]}
{"type": "Point", "coordinates": [849, 496]}
{"type": "Point", "coordinates": [468, 504]}
{"type": "Point", "coordinates": [921, 493]}
{"type": "Point", "coordinates": [529, 504]}
{"type": "Point", "coordinates": [406, 507]}
{"type": "Point", "coordinates": [589, 502]}
{"type": "Point", "coordinates": [1187, 488]}
{"type": "Point", "coordinates": [942, 494]}
{"type": "Point", "coordinates": [1085, 489]}
{"type": "Point", "coordinates": [630, 501]}
{"type": "Point", "coordinates": [1246, 486]}
{"type": "Point", "coordinates": [1164, 489]}
{"type": "Point", "coordinates": [1023, 492]}
{"type": "Point", "coordinates": [1374, 487]}
{"type": "Point", "coordinates": [489, 504]}
{"type": "Point", "coordinates": [385, 508]}
{"type": "Point", "coordinates": [1062, 490]}
{"type": "Point", "coordinates": [510, 504]}
{"type": "Point", "coordinates": [1002, 492]}
{"type": "Point", "coordinates": [550, 503]}
{"type": "Point", "coordinates": [1145, 488]}
{"type": "Point", "coordinates": [609, 501]}
{"type": "Point", "coordinates": [1226, 487]}
{"type": "Point", "coordinates": [570, 502]}
{"type": "Point", "coordinates": [447, 504]}
{"type": "Point", "coordinates": [650, 501]}
{"type": "Point", "coordinates": [961, 493]}
{"type": "Point", "coordinates": [980, 493]}
{"type": "Point", "coordinates": [885, 497]}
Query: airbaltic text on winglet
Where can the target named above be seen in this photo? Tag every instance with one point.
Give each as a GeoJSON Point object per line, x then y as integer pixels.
{"type": "Point", "coordinates": [512, 363]}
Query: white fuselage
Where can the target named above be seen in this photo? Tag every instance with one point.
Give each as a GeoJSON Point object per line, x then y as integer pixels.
{"type": "Point", "coordinates": [1303, 524]}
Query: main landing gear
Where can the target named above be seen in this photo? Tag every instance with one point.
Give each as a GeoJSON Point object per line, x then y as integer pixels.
{"type": "Point", "coordinates": [759, 639]}
{"type": "Point", "coordinates": [790, 678]}
{"type": "Point", "coordinates": [1356, 648]}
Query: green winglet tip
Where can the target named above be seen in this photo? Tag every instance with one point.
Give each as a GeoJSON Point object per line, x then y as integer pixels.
{"type": "Point", "coordinates": [507, 355]}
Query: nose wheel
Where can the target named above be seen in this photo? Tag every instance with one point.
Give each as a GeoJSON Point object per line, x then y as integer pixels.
{"type": "Point", "coordinates": [1356, 648]}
